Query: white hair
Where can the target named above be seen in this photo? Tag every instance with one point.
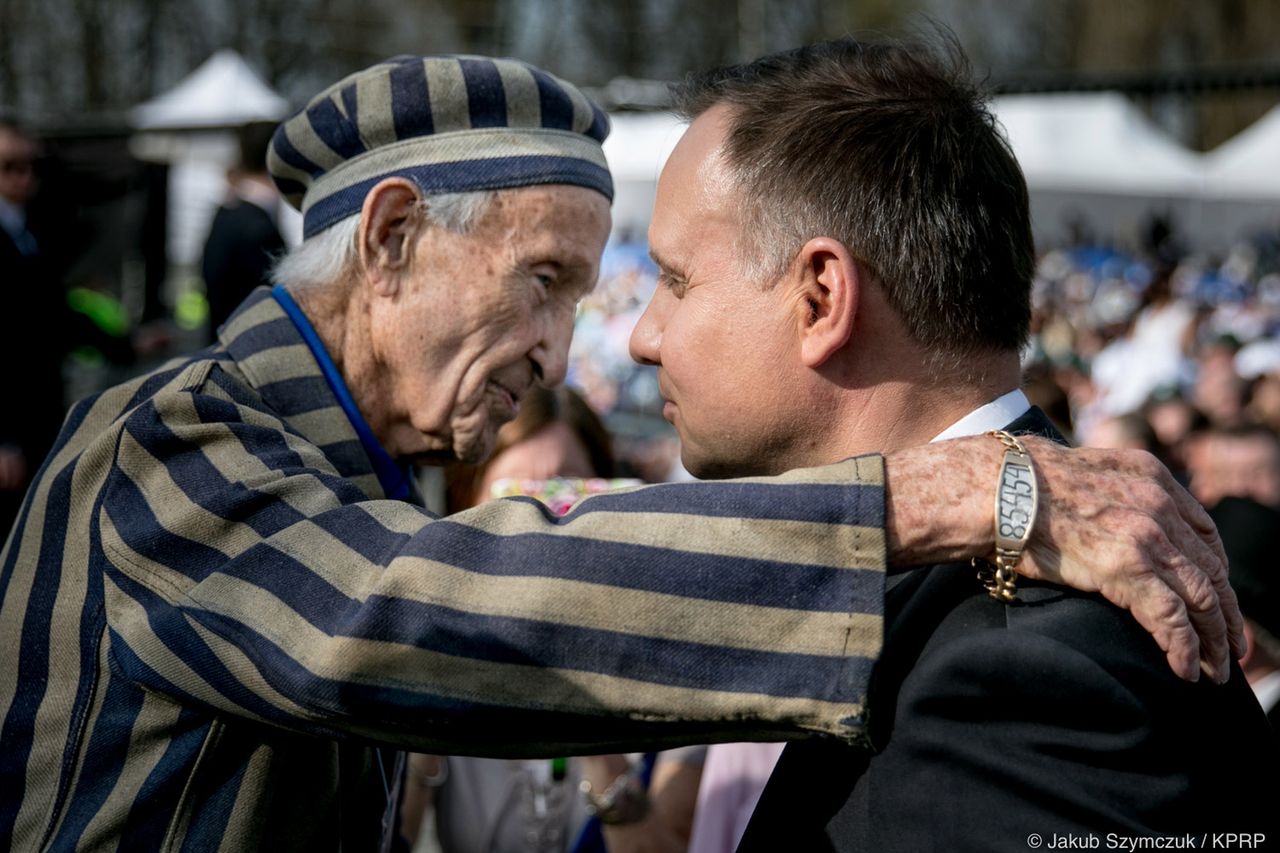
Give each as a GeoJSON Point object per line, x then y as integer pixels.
{"type": "Point", "coordinates": [326, 257]}
{"type": "Point", "coordinates": [457, 212]}
{"type": "Point", "coordinates": [321, 259]}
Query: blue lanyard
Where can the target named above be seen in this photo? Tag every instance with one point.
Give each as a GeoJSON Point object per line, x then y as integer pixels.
{"type": "Point", "coordinates": [393, 477]}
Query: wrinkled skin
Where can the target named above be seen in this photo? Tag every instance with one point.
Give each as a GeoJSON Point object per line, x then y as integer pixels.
{"type": "Point", "coordinates": [1113, 522]}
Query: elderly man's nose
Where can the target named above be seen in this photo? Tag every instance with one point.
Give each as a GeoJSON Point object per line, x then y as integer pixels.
{"type": "Point", "coordinates": [551, 356]}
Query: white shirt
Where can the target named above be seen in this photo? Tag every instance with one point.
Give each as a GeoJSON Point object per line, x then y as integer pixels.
{"type": "Point", "coordinates": [1267, 689]}
{"type": "Point", "coordinates": [997, 414]}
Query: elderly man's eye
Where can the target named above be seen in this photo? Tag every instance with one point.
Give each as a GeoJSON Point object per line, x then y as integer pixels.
{"type": "Point", "coordinates": [546, 275]}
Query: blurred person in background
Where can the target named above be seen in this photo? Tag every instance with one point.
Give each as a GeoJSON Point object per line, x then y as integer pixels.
{"type": "Point", "coordinates": [1150, 353]}
{"type": "Point", "coordinates": [494, 805]}
{"type": "Point", "coordinates": [555, 434]}
{"type": "Point", "coordinates": [18, 184]}
{"type": "Point", "coordinates": [31, 383]}
{"type": "Point", "coordinates": [1131, 431]}
{"type": "Point", "coordinates": [1264, 401]}
{"type": "Point", "coordinates": [733, 778]}
{"type": "Point", "coordinates": [1174, 421]}
{"type": "Point", "coordinates": [1251, 536]}
{"type": "Point", "coordinates": [1242, 461]}
{"type": "Point", "coordinates": [1043, 385]}
{"type": "Point", "coordinates": [34, 255]}
{"type": "Point", "coordinates": [1154, 347]}
{"type": "Point", "coordinates": [1219, 391]}
{"type": "Point", "coordinates": [244, 240]}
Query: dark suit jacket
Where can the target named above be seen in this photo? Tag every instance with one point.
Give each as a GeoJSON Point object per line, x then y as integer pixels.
{"type": "Point", "coordinates": [238, 253]}
{"type": "Point", "coordinates": [990, 723]}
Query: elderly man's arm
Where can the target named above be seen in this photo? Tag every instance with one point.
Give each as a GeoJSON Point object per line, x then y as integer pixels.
{"type": "Point", "coordinates": [244, 574]}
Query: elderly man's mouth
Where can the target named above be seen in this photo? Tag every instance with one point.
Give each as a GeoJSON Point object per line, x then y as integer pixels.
{"type": "Point", "coordinates": [507, 398]}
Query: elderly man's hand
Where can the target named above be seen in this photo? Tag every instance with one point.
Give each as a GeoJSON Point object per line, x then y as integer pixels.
{"type": "Point", "coordinates": [1110, 521]}
{"type": "Point", "coordinates": [1118, 523]}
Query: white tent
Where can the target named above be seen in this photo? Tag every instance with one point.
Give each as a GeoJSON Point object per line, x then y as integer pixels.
{"type": "Point", "coordinates": [1095, 161]}
{"type": "Point", "coordinates": [1248, 164]}
{"type": "Point", "coordinates": [223, 92]}
{"type": "Point", "coordinates": [1091, 156]}
{"type": "Point", "coordinates": [1242, 181]}
{"type": "Point", "coordinates": [1098, 143]}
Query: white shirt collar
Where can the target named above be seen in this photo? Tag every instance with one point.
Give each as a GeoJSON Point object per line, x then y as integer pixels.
{"type": "Point", "coordinates": [997, 414]}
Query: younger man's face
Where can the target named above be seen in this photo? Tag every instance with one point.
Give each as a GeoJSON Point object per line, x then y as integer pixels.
{"type": "Point", "coordinates": [723, 345]}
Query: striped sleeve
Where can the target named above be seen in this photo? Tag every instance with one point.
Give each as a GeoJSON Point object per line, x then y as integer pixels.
{"type": "Point", "coordinates": [247, 576]}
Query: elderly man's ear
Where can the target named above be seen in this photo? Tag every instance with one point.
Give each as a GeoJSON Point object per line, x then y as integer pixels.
{"type": "Point", "coordinates": [827, 283]}
{"type": "Point", "coordinates": [389, 223]}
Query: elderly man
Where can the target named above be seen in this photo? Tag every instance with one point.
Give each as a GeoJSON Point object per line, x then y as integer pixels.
{"type": "Point", "coordinates": [220, 602]}
{"type": "Point", "coordinates": [845, 259]}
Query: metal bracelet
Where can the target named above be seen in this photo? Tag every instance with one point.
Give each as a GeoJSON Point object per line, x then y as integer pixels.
{"type": "Point", "coordinates": [1016, 505]}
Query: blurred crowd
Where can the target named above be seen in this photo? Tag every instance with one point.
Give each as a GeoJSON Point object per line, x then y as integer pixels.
{"type": "Point", "coordinates": [1154, 348]}
{"type": "Point", "coordinates": [1175, 353]}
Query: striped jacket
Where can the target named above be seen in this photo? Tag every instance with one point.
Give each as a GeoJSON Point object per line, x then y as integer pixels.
{"type": "Point", "coordinates": [211, 620]}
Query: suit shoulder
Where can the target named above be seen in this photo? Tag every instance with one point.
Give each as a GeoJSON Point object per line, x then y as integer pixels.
{"type": "Point", "coordinates": [1064, 651]}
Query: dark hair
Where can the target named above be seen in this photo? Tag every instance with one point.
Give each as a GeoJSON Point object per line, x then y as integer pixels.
{"type": "Point", "coordinates": [890, 148]}
{"type": "Point", "coordinates": [539, 410]}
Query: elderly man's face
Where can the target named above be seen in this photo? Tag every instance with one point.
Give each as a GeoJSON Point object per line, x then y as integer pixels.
{"type": "Point", "coordinates": [723, 345]}
{"type": "Point", "coordinates": [482, 316]}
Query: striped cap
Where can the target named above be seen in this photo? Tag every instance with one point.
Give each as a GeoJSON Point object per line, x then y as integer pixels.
{"type": "Point", "coordinates": [448, 123]}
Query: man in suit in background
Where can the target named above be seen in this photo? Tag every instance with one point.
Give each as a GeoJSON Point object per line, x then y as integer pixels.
{"type": "Point", "coordinates": [31, 382]}
{"type": "Point", "coordinates": [244, 239]}
{"type": "Point", "coordinates": [845, 255]}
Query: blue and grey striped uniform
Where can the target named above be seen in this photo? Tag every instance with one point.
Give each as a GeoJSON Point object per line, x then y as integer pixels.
{"type": "Point", "coordinates": [448, 123]}
{"type": "Point", "coordinates": [212, 618]}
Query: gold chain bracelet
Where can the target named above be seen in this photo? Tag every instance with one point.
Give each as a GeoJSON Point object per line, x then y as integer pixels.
{"type": "Point", "coordinates": [1016, 506]}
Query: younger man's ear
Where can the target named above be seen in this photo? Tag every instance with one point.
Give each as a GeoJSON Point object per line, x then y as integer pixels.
{"type": "Point", "coordinates": [389, 223]}
{"type": "Point", "coordinates": [827, 291]}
